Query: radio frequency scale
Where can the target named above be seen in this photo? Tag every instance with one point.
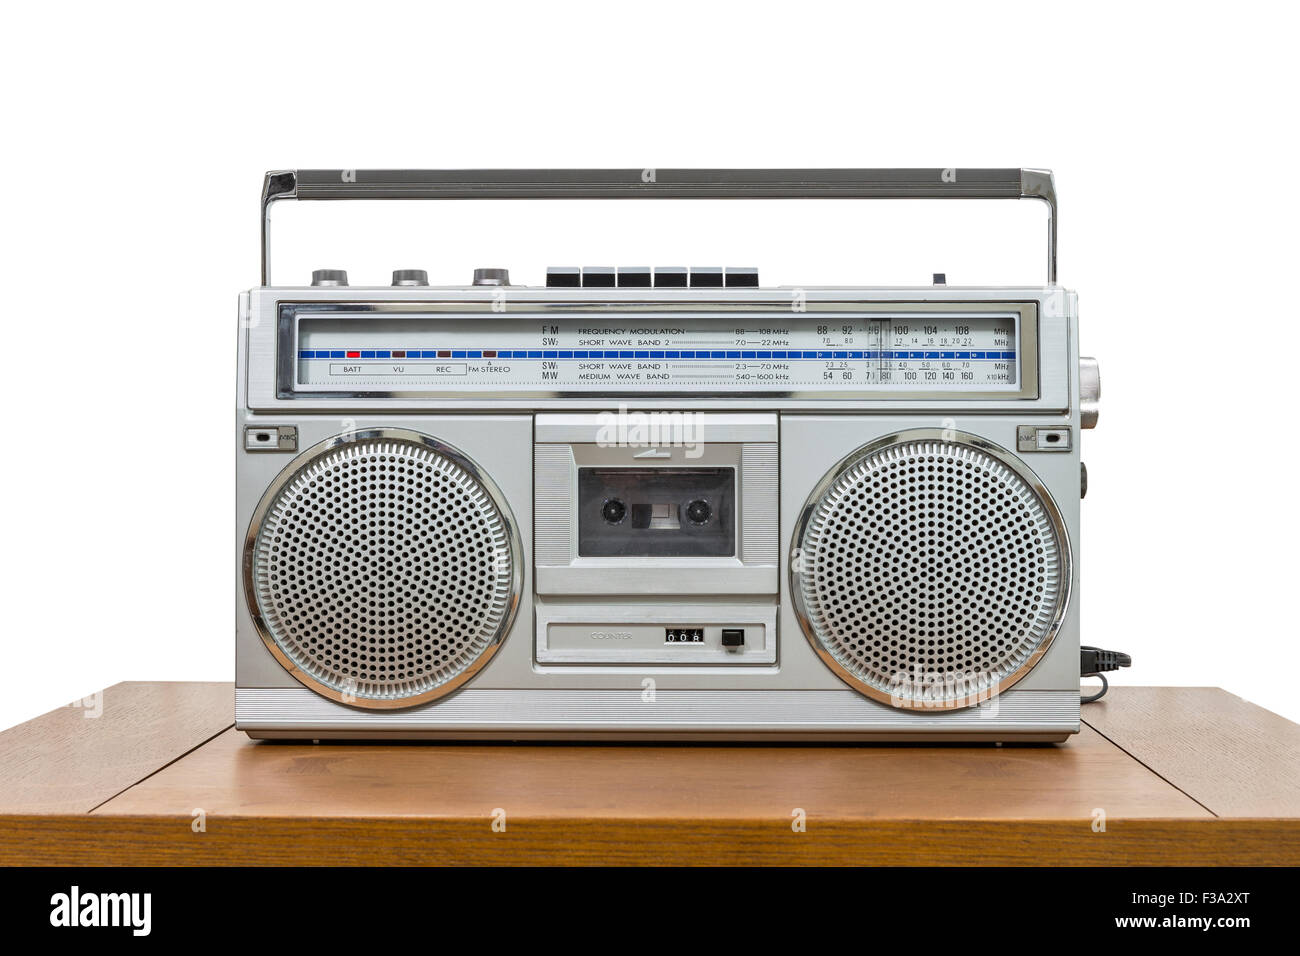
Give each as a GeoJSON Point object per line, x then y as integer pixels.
{"type": "Point", "coordinates": [699, 352]}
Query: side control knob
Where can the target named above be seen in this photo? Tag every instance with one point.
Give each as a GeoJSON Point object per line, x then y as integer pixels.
{"type": "Point", "coordinates": [410, 277]}
{"type": "Point", "coordinates": [491, 276]}
{"type": "Point", "coordinates": [329, 277]}
{"type": "Point", "coordinates": [1089, 392]}
{"type": "Point", "coordinates": [1083, 480]}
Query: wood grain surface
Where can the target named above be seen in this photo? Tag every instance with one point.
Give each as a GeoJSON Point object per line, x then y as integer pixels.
{"type": "Point", "coordinates": [234, 776]}
{"type": "Point", "coordinates": [157, 787]}
{"type": "Point", "coordinates": [74, 758]}
{"type": "Point", "coordinates": [1235, 758]}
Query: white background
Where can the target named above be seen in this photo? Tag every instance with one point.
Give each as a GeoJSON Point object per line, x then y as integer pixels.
{"type": "Point", "coordinates": [138, 136]}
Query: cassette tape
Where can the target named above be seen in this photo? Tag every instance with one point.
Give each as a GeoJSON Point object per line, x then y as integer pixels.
{"type": "Point", "coordinates": [674, 512]}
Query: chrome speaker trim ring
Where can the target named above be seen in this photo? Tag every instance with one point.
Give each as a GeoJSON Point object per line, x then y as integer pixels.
{"type": "Point", "coordinates": [290, 472]}
{"type": "Point", "coordinates": [1002, 456]}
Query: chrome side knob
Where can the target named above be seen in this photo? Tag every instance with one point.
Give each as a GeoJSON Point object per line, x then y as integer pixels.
{"type": "Point", "coordinates": [329, 277]}
{"type": "Point", "coordinates": [410, 277]}
{"type": "Point", "coordinates": [1089, 392]}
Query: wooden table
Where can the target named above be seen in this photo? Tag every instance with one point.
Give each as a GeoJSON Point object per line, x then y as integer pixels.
{"type": "Point", "coordinates": [160, 776]}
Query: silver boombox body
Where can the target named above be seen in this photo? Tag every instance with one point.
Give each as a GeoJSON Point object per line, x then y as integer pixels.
{"type": "Point", "coordinates": [659, 504]}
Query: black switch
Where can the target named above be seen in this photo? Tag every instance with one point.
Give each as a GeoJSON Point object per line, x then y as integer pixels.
{"type": "Point", "coordinates": [733, 637]}
{"type": "Point", "coordinates": [634, 277]}
{"type": "Point", "coordinates": [741, 278]}
{"type": "Point", "coordinates": [706, 277]}
{"type": "Point", "coordinates": [670, 277]}
{"type": "Point", "coordinates": [563, 277]}
{"type": "Point", "coordinates": [597, 277]}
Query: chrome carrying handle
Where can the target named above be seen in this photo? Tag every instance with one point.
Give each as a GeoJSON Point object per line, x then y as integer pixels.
{"type": "Point", "coordinates": [304, 184]}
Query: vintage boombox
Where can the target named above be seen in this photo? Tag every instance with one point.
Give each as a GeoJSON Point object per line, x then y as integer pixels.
{"type": "Point", "coordinates": [665, 503]}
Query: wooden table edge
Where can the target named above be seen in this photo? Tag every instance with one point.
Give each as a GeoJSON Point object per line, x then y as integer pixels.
{"type": "Point", "coordinates": [81, 840]}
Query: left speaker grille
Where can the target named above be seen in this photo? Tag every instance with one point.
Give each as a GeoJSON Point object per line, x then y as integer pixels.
{"type": "Point", "coordinates": [383, 569]}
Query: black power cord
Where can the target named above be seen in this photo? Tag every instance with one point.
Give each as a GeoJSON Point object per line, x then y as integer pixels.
{"type": "Point", "coordinates": [1093, 661]}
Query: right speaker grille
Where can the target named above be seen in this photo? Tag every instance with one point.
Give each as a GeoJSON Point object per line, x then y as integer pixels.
{"type": "Point", "coordinates": [930, 572]}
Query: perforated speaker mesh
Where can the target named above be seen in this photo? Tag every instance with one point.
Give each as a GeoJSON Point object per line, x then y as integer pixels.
{"type": "Point", "coordinates": [930, 573]}
{"type": "Point", "coordinates": [383, 569]}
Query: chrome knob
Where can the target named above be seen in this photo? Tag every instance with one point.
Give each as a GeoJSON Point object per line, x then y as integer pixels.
{"type": "Point", "coordinates": [329, 277]}
{"type": "Point", "coordinates": [491, 276]}
{"type": "Point", "coordinates": [410, 277]}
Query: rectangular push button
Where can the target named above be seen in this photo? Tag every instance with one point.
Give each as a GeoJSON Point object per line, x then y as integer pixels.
{"type": "Point", "coordinates": [706, 277]}
{"type": "Point", "coordinates": [633, 277]}
{"type": "Point", "coordinates": [598, 277]}
{"type": "Point", "coordinates": [670, 277]}
{"type": "Point", "coordinates": [733, 637]}
{"type": "Point", "coordinates": [563, 277]}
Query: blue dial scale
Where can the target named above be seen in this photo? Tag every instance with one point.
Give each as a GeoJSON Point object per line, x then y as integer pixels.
{"type": "Point", "coordinates": [687, 353]}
